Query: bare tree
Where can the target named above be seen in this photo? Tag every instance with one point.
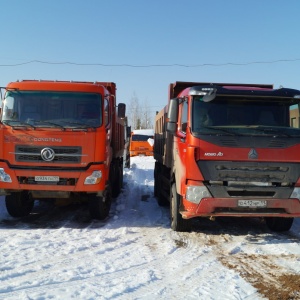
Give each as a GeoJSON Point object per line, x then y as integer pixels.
{"type": "Point", "coordinates": [146, 117]}
{"type": "Point", "coordinates": [139, 117]}
{"type": "Point", "coordinates": [134, 111]}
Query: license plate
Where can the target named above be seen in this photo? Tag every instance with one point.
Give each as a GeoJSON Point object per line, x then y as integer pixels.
{"type": "Point", "coordinates": [252, 203]}
{"type": "Point", "coordinates": [47, 178]}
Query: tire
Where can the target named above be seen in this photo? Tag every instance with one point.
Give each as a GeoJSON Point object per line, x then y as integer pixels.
{"type": "Point", "coordinates": [19, 204]}
{"type": "Point", "coordinates": [118, 181]}
{"type": "Point", "coordinates": [155, 180]}
{"type": "Point", "coordinates": [121, 177]}
{"type": "Point", "coordinates": [99, 207]}
{"type": "Point", "coordinates": [279, 224]}
{"type": "Point", "coordinates": [161, 200]}
{"type": "Point", "coordinates": [115, 180]}
{"type": "Point", "coordinates": [177, 222]}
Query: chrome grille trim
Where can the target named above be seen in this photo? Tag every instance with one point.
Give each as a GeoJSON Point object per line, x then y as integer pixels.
{"type": "Point", "coordinates": [25, 153]}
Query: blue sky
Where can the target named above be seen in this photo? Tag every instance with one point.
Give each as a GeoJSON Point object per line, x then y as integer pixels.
{"type": "Point", "coordinates": [147, 33]}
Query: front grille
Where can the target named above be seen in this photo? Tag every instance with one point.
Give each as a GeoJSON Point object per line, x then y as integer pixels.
{"type": "Point", "coordinates": [249, 171]}
{"type": "Point", "coordinates": [62, 154]}
{"type": "Point", "coordinates": [277, 144]}
{"type": "Point", "coordinates": [249, 179]}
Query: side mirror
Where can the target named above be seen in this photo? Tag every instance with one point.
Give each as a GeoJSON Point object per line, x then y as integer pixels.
{"type": "Point", "coordinates": [171, 127]}
{"type": "Point", "coordinates": [121, 110]}
{"type": "Point", "coordinates": [172, 115]}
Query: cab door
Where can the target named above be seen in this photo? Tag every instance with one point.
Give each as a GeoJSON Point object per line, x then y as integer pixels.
{"type": "Point", "coordinates": [180, 145]}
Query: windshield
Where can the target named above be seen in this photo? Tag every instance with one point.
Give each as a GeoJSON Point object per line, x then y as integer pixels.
{"type": "Point", "coordinates": [250, 117]}
{"type": "Point", "coordinates": [52, 109]}
{"type": "Point", "coordinates": [140, 137]}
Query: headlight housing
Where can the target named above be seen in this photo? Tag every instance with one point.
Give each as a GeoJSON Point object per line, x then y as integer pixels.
{"type": "Point", "coordinates": [94, 178]}
{"type": "Point", "coordinates": [296, 193]}
{"type": "Point", "coordinates": [195, 193]}
{"type": "Point", "coordinates": [4, 177]}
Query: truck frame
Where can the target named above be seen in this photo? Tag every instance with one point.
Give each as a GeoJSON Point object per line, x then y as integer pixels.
{"type": "Point", "coordinates": [61, 140]}
{"type": "Point", "coordinates": [224, 149]}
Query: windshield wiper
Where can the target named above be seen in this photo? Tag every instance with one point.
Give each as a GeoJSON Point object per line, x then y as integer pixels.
{"type": "Point", "coordinates": [51, 123]}
{"type": "Point", "coordinates": [271, 130]}
{"type": "Point", "coordinates": [19, 123]}
{"type": "Point", "coordinates": [83, 125]}
{"type": "Point", "coordinates": [217, 129]}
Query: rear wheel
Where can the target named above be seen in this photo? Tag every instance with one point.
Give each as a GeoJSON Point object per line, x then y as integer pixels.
{"type": "Point", "coordinates": [158, 188]}
{"type": "Point", "coordinates": [155, 180]}
{"type": "Point", "coordinates": [99, 207]}
{"type": "Point", "coordinates": [279, 224]}
{"type": "Point", "coordinates": [177, 222]}
{"type": "Point", "coordinates": [19, 204]}
{"type": "Point", "coordinates": [121, 178]}
{"type": "Point", "coordinates": [116, 179]}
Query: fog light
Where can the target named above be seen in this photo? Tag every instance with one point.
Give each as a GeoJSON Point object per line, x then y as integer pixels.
{"type": "Point", "coordinates": [196, 193]}
{"type": "Point", "coordinates": [94, 178]}
{"type": "Point", "coordinates": [4, 177]}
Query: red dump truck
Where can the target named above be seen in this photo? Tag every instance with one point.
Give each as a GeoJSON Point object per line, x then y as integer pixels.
{"type": "Point", "coordinates": [61, 140]}
{"type": "Point", "coordinates": [224, 149]}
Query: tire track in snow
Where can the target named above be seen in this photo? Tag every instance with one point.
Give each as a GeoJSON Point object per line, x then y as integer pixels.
{"type": "Point", "coordinates": [274, 273]}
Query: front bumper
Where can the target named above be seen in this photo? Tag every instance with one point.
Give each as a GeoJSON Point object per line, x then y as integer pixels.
{"type": "Point", "coordinates": [213, 207]}
{"type": "Point", "coordinates": [69, 180]}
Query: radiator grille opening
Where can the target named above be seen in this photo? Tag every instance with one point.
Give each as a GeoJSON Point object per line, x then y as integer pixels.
{"type": "Point", "coordinates": [62, 154]}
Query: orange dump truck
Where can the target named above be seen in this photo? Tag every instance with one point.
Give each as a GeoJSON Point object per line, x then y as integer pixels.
{"type": "Point", "coordinates": [141, 142]}
{"type": "Point", "coordinates": [228, 150]}
{"type": "Point", "coordinates": [61, 140]}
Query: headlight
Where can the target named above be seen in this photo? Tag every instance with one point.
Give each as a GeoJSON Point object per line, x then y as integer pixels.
{"type": "Point", "coordinates": [296, 193]}
{"type": "Point", "coordinates": [196, 193]}
{"type": "Point", "coordinates": [4, 177]}
{"type": "Point", "coordinates": [94, 178]}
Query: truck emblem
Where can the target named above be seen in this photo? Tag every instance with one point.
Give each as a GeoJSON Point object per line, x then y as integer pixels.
{"type": "Point", "coordinates": [252, 154]}
{"type": "Point", "coordinates": [47, 154]}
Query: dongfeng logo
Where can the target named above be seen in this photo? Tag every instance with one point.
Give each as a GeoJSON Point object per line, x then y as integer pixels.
{"type": "Point", "coordinates": [252, 154]}
{"type": "Point", "coordinates": [47, 154]}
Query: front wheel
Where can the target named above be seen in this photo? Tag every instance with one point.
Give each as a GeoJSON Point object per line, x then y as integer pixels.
{"type": "Point", "coordinates": [177, 222]}
{"type": "Point", "coordinates": [19, 204]}
{"type": "Point", "coordinates": [279, 224]}
{"type": "Point", "coordinates": [99, 207]}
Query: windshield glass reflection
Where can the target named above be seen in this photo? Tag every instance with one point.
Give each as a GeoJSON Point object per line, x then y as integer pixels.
{"type": "Point", "coordinates": [52, 109]}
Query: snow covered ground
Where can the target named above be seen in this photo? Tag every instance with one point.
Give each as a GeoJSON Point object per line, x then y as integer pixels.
{"type": "Point", "coordinates": [60, 253]}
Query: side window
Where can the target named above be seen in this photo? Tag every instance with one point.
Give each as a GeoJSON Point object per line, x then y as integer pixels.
{"type": "Point", "coordinates": [106, 112]}
{"type": "Point", "coordinates": [184, 116]}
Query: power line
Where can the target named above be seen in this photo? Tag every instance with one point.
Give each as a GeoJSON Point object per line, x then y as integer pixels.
{"type": "Point", "coordinates": [151, 65]}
